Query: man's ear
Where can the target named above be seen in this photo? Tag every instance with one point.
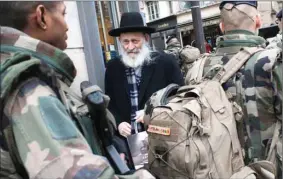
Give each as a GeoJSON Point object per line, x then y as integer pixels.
{"type": "Point", "coordinates": [221, 26]}
{"type": "Point", "coordinates": [257, 21]}
{"type": "Point", "coordinates": [147, 37]}
{"type": "Point", "coordinates": [41, 17]}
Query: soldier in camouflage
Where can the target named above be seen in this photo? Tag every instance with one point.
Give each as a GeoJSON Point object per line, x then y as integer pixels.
{"type": "Point", "coordinates": [185, 56]}
{"type": "Point", "coordinates": [257, 87]}
{"type": "Point", "coordinates": [173, 47]}
{"type": "Point", "coordinates": [277, 40]}
{"type": "Point", "coordinates": [47, 140]}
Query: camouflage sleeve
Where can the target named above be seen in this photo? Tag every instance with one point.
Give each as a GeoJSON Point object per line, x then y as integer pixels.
{"type": "Point", "coordinates": [277, 80]}
{"type": "Point", "coordinates": [49, 143]}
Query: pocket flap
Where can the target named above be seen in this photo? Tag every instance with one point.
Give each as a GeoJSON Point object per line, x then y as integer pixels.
{"type": "Point", "coordinates": [194, 107]}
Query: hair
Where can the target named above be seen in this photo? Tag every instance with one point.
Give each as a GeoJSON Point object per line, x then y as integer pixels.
{"type": "Point", "coordinates": [238, 17]}
{"type": "Point", "coordinates": [15, 13]}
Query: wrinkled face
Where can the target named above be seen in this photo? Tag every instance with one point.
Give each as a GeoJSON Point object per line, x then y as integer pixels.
{"type": "Point", "coordinates": [56, 31]}
{"type": "Point", "coordinates": [132, 43]}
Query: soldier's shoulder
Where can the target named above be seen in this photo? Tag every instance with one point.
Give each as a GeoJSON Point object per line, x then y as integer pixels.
{"type": "Point", "coordinates": [267, 59]}
{"type": "Point", "coordinates": [28, 92]}
{"type": "Point", "coordinates": [268, 53]}
{"type": "Point", "coordinates": [275, 42]}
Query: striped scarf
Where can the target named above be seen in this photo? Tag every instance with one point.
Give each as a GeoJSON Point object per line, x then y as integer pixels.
{"type": "Point", "coordinates": [133, 78]}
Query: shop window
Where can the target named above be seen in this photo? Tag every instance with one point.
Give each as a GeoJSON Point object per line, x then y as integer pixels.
{"type": "Point", "coordinates": [105, 25]}
{"type": "Point", "coordinates": [153, 10]}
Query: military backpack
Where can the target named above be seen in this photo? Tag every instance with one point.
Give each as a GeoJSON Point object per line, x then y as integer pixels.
{"type": "Point", "coordinates": [192, 129]}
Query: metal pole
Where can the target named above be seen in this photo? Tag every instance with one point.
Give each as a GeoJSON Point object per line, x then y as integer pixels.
{"type": "Point", "coordinates": [103, 26]}
{"type": "Point", "coordinates": [197, 24]}
{"type": "Point", "coordinates": [127, 6]}
{"type": "Point", "coordinates": [114, 14]}
{"type": "Point", "coordinates": [133, 6]}
{"type": "Point", "coordinates": [181, 38]}
{"type": "Point", "coordinates": [118, 11]}
{"type": "Point", "coordinates": [91, 41]}
{"type": "Point", "coordinates": [114, 19]}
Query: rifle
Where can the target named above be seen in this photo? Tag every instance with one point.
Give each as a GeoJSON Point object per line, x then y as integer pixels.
{"type": "Point", "coordinates": [96, 104]}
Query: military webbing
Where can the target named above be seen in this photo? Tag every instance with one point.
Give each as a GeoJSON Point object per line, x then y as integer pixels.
{"type": "Point", "coordinates": [9, 141]}
{"type": "Point", "coordinates": [235, 63]}
{"type": "Point", "coordinates": [229, 69]}
{"type": "Point", "coordinates": [7, 130]}
{"type": "Point", "coordinates": [275, 139]}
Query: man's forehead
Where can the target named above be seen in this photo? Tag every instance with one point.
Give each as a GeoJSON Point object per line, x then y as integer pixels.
{"type": "Point", "coordinates": [131, 35]}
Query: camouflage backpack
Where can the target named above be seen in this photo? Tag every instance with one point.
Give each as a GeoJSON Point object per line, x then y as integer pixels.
{"type": "Point", "coordinates": [192, 129]}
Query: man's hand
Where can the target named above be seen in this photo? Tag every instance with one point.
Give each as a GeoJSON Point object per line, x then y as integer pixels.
{"type": "Point", "coordinates": [123, 157]}
{"type": "Point", "coordinates": [124, 129]}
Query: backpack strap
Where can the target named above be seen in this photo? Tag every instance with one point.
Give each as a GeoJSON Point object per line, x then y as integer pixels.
{"type": "Point", "coordinates": [272, 150]}
{"type": "Point", "coordinates": [235, 63]}
{"type": "Point", "coordinates": [77, 108]}
{"type": "Point", "coordinates": [8, 140]}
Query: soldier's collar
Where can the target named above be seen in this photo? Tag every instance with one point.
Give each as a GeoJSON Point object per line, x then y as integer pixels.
{"type": "Point", "coordinates": [240, 38]}
{"type": "Point", "coordinates": [5, 29]}
{"type": "Point", "coordinates": [239, 31]}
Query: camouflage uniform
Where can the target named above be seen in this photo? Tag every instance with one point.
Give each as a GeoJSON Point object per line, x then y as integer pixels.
{"type": "Point", "coordinates": [174, 47]}
{"type": "Point", "coordinates": [257, 87]}
{"type": "Point", "coordinates": [49, 143]}
{"type": "Point", "coordinates": [275, 41]}
{"type": "Point", "coordinates": [185, 56]}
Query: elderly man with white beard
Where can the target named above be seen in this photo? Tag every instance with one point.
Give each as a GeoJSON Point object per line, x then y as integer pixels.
{"type": "Point", "coordinates": [139, 72]}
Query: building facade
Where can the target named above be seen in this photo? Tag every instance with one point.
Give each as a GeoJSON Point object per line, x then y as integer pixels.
{"type": "Point", "coordinates": [158, 14]}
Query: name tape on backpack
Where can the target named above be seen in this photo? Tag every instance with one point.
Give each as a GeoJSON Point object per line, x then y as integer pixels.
{"type": "Point", "coordinates": [159, 130]}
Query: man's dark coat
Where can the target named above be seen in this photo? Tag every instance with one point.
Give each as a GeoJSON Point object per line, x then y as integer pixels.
{"type": "Point", "coordinates": [163, 71]}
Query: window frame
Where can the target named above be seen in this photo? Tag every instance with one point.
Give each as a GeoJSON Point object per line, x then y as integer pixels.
{"type": "Point", "coordinates": [153, 10]}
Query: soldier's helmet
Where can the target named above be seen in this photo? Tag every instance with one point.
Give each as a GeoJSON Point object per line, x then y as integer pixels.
{"type": "Point", "coordinates": [172, 39]}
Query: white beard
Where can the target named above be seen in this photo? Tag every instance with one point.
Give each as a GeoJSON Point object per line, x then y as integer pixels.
{"type": "Point", "coordinates": [138, 60]}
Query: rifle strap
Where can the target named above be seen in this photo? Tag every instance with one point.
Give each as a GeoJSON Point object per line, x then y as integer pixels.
{"type": "Point", "coordinates": [78, 110]}
{"type": "Point", "coordinates": [9, 141]}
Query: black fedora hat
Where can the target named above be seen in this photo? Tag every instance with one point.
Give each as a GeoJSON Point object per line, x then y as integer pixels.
{"type": "Point", "coordinates": [131, 22]}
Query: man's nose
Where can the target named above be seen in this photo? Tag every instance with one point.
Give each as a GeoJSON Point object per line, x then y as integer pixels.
{"type": "Point", "coordinates": [131, 46]}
